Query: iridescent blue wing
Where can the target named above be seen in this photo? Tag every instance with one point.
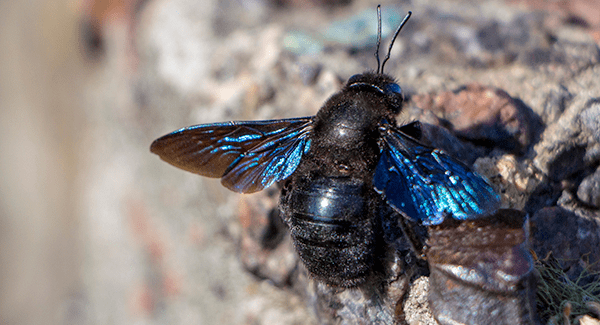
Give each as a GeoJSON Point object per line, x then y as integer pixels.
{"type": "Point", "coordinates": [247, 156]}
{"type": "Point", "coordinates": [427, 185]}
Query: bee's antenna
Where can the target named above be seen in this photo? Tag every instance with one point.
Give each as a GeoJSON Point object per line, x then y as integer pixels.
{"type": "Point", "coordinates": [378, 37]}
{"type": "Point", "coordinates": [387, 57]}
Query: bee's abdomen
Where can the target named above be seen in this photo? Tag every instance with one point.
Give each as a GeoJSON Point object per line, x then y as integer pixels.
{"type": "Point", "coordinates": [332, 229]}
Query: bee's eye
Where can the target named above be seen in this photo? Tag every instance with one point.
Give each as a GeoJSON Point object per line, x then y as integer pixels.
{"type": "Point", "coordinates": [392, 88]}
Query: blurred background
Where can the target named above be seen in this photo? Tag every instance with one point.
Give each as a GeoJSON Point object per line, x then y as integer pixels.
{"type": "Point", "coordinates": [94, 229]}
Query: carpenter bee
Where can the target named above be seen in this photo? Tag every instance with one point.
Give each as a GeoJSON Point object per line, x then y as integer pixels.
{"type": "Point", "coordinates": [339, 170]}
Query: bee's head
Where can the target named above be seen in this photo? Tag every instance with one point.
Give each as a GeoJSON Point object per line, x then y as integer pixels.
{"type": "Point", "coordinates": [379, 83]}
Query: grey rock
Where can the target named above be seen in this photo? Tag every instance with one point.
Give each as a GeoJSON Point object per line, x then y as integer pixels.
{"type": "Point", "coordinates": [589, 189]}
{"type": "Point", "coordinates": [573, 239]}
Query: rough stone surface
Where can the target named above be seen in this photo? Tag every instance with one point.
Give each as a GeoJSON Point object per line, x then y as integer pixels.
{"type": "Point", "coordinates": [589, 190]}
{"type": "Point", "coordinates": [482, 114]}
{"type": "Point", "coordinates": [482, 270]}
{"type": "Point", "coordinates": [572, 238]}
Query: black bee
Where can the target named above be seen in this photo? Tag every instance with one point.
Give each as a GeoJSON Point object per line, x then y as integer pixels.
{"type": "Point", "coordinates": [340, 169]}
